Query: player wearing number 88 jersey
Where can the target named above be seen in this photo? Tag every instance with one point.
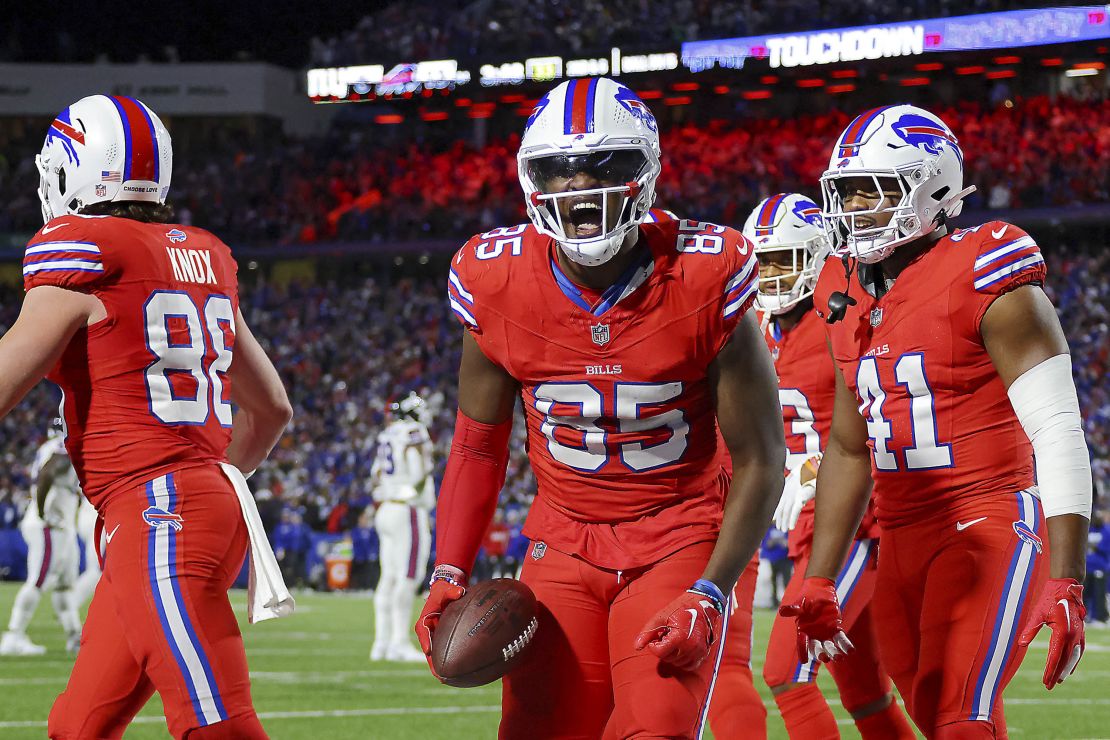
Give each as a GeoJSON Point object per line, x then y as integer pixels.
{"type": "Point", "coordinates": [137, 320]}
{"type": "Point", "coordinates": [629, 343]}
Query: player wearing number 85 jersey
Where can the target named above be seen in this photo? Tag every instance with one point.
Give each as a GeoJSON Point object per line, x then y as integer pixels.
{"type": "Point", "coordinates": [138, 321]}
{"type": "Point", "coordinates": [952, 371]}
{"type": "Point", "coordinates": [629, 343]}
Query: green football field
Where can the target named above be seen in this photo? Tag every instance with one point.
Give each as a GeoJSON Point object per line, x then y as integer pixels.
{"type": "Point", "coordinates": [312, 679]}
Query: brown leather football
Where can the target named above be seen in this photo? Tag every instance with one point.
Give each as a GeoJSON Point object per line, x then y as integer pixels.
{"type": "Point", "coordinates": [486, 633]}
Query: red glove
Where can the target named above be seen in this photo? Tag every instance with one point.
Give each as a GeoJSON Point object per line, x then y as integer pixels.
{"type": "Point", "coordinates": [1061, 608]}
{"type": "Point", "coordinates": [683, 633]}
{"type": "Point", "coordinates": [448, 584]}
{"type": "Point", "coordinates": [820, 630]}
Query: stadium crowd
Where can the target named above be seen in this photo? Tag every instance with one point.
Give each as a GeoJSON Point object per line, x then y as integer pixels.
{"type": "Point", "coordinates": [345, 347]}
{"type": "Point", "coordinates": [349, 187]}
{"type": "Point", "coordinates": [430, 29]}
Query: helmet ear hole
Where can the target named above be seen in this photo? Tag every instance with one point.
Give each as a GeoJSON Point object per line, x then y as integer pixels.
{"type": "Point", "coordinates": [939, 194]}
{"type": "Point", "coordinates": [61, 181]}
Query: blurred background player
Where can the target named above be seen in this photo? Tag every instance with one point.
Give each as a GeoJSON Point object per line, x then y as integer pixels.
{"type": "Point", "coordinates": [952, 373]}
{"type": "Point", "coordinates": [791, 244]}
{"type": "Point", "coordinates": [137, 320]}
{"type": "Point", "coordinates": [92, 538]}
{"type": "Point", "coordinates": [405, 494]}
{"type": "Point", "coordinates": [629, 343]}
{"type": "Point", "coordinates": [52, 554]}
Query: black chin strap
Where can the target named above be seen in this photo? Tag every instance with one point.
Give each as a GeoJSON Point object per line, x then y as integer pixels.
{"type": "Point", "coordinates": [839, 301]}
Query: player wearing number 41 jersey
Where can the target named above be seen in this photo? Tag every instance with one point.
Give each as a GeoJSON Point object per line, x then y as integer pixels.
{"type": "Point", "coordinates": [629, 344]}
{"type": "Point", "coordinates": [952, 372]}
{"type": "Point", "coordinates": [137, 320]}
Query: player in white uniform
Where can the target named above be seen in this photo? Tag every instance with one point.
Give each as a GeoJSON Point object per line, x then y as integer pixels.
{"type": "Point", "coordinates": [52, 555]}
{"type": "Point", "coordinates": [86, 529]}
{"type": "Point", "coordinates": [405, 494]}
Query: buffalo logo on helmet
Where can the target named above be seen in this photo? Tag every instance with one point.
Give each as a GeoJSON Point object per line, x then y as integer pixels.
{"type": "Point", "coordinates": [157, 518]}
{"type": "Point", "coordinates": [62, 130]}
{"type": "Point", "coordinates": [1028, 535]}
{"type": "Point", "coordinates": [808, 211]}
{"type": "Point", "coordinates": [631, 103]}
{"type": "Point", "coordinates": [926, 134]}
{"type": "Point", "coordinates": [540, 106]}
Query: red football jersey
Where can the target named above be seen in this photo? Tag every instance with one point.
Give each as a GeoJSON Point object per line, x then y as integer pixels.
{"type": "Point", "coordinates": [145, 390]}
{"type": "Point", "coordinates": [941, 426]}
{"type": "Point", "coordinates": [806, 391]}
{"type": "Point", "coordinates": [622, 431]}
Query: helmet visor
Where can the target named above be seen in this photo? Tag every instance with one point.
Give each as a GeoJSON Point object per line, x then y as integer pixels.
{"type": "Point", "coordinates": [553, 173]}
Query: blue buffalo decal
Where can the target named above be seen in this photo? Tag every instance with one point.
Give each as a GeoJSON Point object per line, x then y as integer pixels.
{"type": "Point", "coordinates": [158, 517]}
{"type": "Point", "coordinates": [808, 211]}
{"type": "Point", "coordinates": [540, 106]}
{"type": "Point", "coordinates": [1024, 532]}
{"type": "Point", "coordinates": [631, 103]}
{"type": "Point", "coordinates": [926, 134]}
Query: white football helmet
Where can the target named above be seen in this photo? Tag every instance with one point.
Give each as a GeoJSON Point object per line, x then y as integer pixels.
{"type": "Point", "coordinates": [601, 128]}
{"type": "Point", "coordinates": [411, 406]}
{"type": "Point", "coordinates": [908, 149]}
{"type": "Point", "coordinates": [103, 148]}
{"type": "Point", "coordinates": [788, 222]}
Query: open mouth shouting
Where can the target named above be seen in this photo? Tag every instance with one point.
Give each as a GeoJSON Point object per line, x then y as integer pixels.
{"type": "Point", "coordinates": [585, 217]}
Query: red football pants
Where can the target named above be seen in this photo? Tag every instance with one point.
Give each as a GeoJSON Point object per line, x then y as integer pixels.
{"type": "Point", "coordinates": [859, 676]}
{"type": "Point", "coordinates": [951, 597]}
{"type": "Point", "coordinates": [736, 709]}
{"type": "Point", "coordinates": [161, 619]}
{"type": "Point", "coordinates": [584, 678]}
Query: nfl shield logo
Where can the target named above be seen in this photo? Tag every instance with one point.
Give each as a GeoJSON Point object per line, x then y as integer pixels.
{"type": "Point", "coordinates": [538, 550]}
{"type": "Point", "coordinates": [600, 334]}
{"type": "Point", "coordinates": [876, 316]}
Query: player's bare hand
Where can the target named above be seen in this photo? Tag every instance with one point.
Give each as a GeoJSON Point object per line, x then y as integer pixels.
{"type": "Point", "coordinates": [1061, 608]}
{"type": "Point", "coordinates": [820, 626]}
{"type": "Point", "coordinates": [448, 584]}
{"type": "Point", "coordinates": [682, 633]}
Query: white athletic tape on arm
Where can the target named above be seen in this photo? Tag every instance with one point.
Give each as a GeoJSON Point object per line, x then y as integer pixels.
{"type": "Point", "coordinates": [1046, 404]}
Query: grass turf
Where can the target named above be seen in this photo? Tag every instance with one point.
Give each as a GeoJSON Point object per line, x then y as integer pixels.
{"type": "Point", "coordinates": [311, 679]}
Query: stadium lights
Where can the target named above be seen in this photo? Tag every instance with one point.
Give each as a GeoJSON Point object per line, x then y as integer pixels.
{"type": "Point", "coordinates": [1007, 60]}
{"type": "Point", "coordinates": [1052, 62]}
{"type": "Point", "coordinates": [928, 67]}
{"type": "Point", "coordinates": [974, 69]}
{"type": "Point", "coordinates": [914, 81]}
{"type": "Point", "coordinates": [685, 86]}
{"type": "Point", "coordinates": [755, 94]}
{"type": "Point", "coordinates": [768, 80]}
{"type": "Point", "coordinates": [1082, 72]}
{"type": "Point", "coordinates": [842, 74]}
{"type": "Point", "coordinates": [810, 82]}
{"type": "Point", "coordinates": [1000, 74]}
{"type": "Point", "coordinates": [842, 88]}
{"type": "Point", "coordinates": [389, 118]}
{"type": "Point", "coordinates": [721, 89]}
{"type": "Point", "coordinates": [679, 100]}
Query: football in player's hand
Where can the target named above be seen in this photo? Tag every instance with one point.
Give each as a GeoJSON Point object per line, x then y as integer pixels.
{"type": "Point", "coordinates": [485, 634]}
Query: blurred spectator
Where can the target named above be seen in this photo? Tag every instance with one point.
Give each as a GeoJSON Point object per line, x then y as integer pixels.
{"type": "Point", "coordinates": [291, 542]}
{"type": "Point", "coordinates": [773, 551]}
{"type": "Point", "coordinates": [365, 566]}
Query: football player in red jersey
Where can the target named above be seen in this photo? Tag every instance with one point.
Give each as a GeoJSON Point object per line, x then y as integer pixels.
{"type": "Point", "coordinates": [137, 320]}
{"type": "Point", "coordinates": [629, 343]}
{"type": "Point", "coordinates": [791, 245]}
{"type": "Point", "coordinates": [952, 373]}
